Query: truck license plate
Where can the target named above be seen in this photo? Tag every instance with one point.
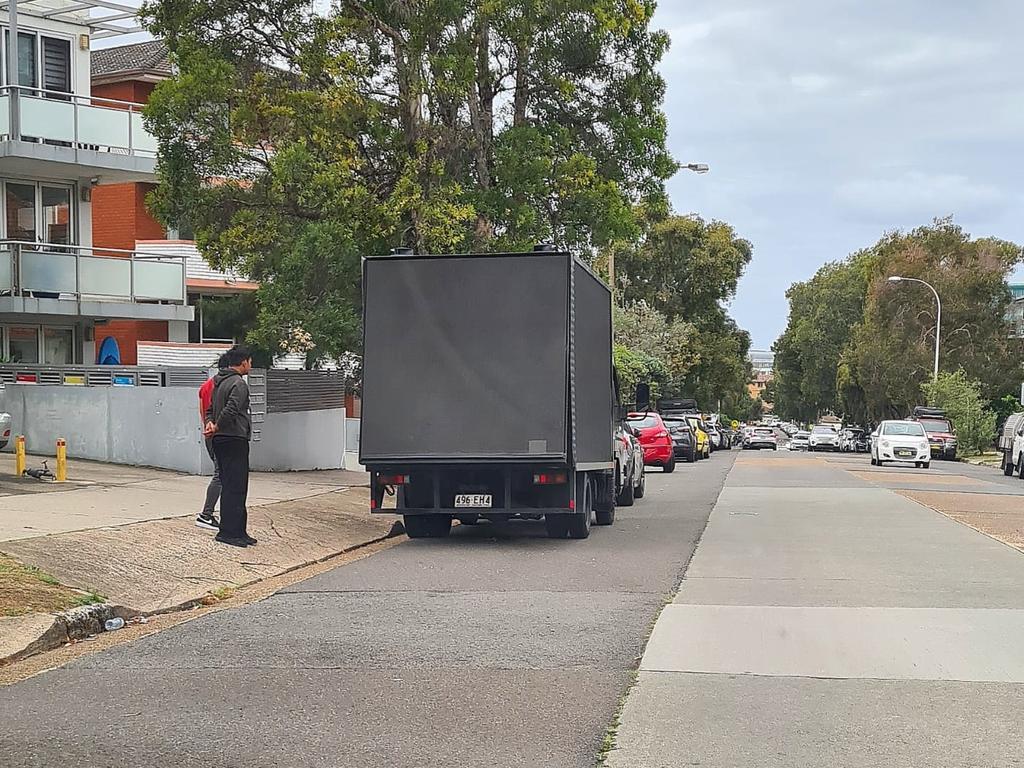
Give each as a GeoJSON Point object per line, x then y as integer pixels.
{"type": "Point", "coordinates": [473, 500]}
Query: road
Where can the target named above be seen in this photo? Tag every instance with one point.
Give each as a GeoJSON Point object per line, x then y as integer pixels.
{"type": "Point", "coordinates": [496, 647]}
{"type": "Point", "coordinates": [829, 618]}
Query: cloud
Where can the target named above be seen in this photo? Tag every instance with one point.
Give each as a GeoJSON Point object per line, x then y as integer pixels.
{"type": "Point", "coordinates": [915, 194]}
{"type": "Point", "coordinates": [826, 124]}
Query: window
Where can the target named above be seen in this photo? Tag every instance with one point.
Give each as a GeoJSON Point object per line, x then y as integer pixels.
{"type": "Point", "coordinates": [39, 212]}
{"type": "Point", "coordinates": [50, 56]}
{"type": "Point", "coordinates": [58, 346]}
{"type": "Point", "coordinates": [20, 200]}
{"type": "Point", "coordinates": [23, 344]}
{"type": "Point", "coordinates": [903, 428]}
{"type": "Point", "coordinates": [643, 422]}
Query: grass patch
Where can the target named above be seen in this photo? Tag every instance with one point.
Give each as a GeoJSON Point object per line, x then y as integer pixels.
{"type": "Point", "coordinates": [25, 589]}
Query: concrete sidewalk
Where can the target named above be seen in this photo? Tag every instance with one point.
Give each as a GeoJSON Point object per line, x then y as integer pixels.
{"type": "Point", "coordinates": [129, 535]}
{"type": "Point", "coordinates": [826, 620]}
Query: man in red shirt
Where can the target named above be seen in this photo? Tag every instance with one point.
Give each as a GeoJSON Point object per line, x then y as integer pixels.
{"type": "Point", "coordinates": [206, 518]}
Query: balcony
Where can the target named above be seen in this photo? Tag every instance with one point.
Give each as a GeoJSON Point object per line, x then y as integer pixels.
{"type": "Point", "coordinates": [56, 279]}
{"type": "Point", "coordinates": [199, 275]}
{"type": "Point", "coordinates": [63, 135]}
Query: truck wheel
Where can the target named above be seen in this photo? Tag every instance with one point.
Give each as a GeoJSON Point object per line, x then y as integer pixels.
{"type": "Point", "coordinates": [1007, 465]}
{"type": "Point", "coordinates": [579, 521]}
{"type": "Point", "coordinates": [625, 499]}
{"type": "Point", "coordinates": [640, 490]}
{"type": "Point", "coordinates": [427, 526]}
{"type": "Point", "coordinates": [605, 518]}
{"type": "Point", "coordinates": [671, 466]}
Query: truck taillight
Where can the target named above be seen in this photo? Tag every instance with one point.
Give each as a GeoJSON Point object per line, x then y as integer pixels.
{"type": "Point", "coordinates": [550, 478]}
{"type": "Point", "coordinates": [393, 479]}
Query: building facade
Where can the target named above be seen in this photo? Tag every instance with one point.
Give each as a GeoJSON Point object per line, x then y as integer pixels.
{"type": "Point", "coordinates": [60, 145]}
{"type": "Point", "coordinates": [121, 220]}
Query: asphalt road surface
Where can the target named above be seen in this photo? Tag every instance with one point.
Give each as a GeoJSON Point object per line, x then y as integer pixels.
{"type": "Point", "coordinates": [496, 647]}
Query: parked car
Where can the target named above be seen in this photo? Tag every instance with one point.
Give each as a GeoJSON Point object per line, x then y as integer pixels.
{"type": "Point", "coordinates": [854, 440]}
{"type": "Point", "coordinates": [901, 441]}
{"type": "Point", "coordinates": [1011, 443]}
{"type": "Point", "coordinates": [941, 436]}
{"type": "Point", "coordinates": [799, 441]}
{"type": "Point", "coordinates": [655, 438]}
{"type": "Point", "coordinates": [823, 438]}
{"type": "Point", "coordinates": [683, 440]}
{"type": "Point", "coordinates": [5, 429]}
{"type": "Point", "coordinates": [629, 459]}
{"type": "Point", "coordinates": [762, 437]}
{"type": "Point", "coordinates": [700, 431]}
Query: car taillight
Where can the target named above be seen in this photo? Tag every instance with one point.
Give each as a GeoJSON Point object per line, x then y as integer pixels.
{"type": "Point", "coordinates": [7, 433]}
{"type": "Point", "coordinates": [663, 433]}
{"type": "Point", "coordinates": [393, 479]}
{"type": "Point", "coordinates": [550, 478]}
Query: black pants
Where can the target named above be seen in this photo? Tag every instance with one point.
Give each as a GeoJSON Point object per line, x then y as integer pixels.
{"type": "Point", "coordinates": [233, 461]}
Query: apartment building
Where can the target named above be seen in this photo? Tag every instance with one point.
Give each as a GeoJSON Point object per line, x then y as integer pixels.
{"type": "Point", "coordinates": [121, 220]}
{"type": "Point", "coordinates": [62, 147]}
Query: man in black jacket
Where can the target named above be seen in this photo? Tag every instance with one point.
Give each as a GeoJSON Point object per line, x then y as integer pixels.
{"type": "Point", "coordinates": [229, 425]}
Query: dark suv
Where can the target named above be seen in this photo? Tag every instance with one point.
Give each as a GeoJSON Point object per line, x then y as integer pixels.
{"type": "Point", "coordinates": [683, 444]}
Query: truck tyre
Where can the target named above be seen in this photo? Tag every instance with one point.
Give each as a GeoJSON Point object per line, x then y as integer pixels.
{"type": "Point", "coordinates": [671, 466]}
{"type": "Point", "coordinates": [1007, 464]}
{"type": "Point", "coordinates": [427, 526]}
{"type": "Point", "coordinates": [579, 521]}
{"type": "Point", "coordinates": [640, 490]}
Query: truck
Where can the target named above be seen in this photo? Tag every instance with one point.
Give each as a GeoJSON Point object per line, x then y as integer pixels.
{"type": "Point", "coordinates": [489, 391]}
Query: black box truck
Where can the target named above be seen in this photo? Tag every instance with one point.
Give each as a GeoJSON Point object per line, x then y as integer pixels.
{"type": "Point", "coordinates": [488, 390]}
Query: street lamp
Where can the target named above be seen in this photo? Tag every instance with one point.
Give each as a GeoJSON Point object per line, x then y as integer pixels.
{"type": "Point", "coordinates": [698, 168]}
{"type": "Point", "coordinates": [938, 313]}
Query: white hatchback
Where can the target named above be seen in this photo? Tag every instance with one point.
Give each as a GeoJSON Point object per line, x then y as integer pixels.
{"type": "Point", "coordinates": [900, 441]}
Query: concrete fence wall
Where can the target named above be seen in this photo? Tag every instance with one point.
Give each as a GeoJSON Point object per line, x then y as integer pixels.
{"type": "Point", "coordinates": [159, 427]}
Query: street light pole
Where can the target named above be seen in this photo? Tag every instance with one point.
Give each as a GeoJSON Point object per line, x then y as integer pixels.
{"type": "Point", "coordinates": [938, 314]}
{"type": "Point", "coordinates": [698, 168]}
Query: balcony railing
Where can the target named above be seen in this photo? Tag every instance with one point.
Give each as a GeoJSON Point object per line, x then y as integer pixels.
{"type": "Point", "coordinates": [51, 270]}
{"type": "Point", "coordinates": [67, 119]}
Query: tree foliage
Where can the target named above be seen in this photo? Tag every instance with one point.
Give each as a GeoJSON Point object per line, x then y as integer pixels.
{"type": "Point", "coordinates": [652, 348]}
{"type": "Point", "coordinates": [295, 142]}
{"type": "Point", "coordinates": [859, 345]}
{"type": "Point", "coordinates": [966, 407]}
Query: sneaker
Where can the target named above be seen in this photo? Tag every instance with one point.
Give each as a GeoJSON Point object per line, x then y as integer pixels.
{"type": "Point", "coordinates": [209, 522]}
{"type": "Point", "coordinates": [249, 539]}
{"type": "Point", "coordinates": [231, 541]}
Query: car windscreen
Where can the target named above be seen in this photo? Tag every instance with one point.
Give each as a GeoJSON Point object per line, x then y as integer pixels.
{"type": "Point", "coordinates": [802, 435]}
{"type": "Point", "coordinates": [643, 422]}
{"type": "Point", "coordinates": [823, 431]}
{"type": "Point", "coordinates": [903, 429]}
{"type": "Point", "coordinates": [936, 425]}
{"type": "Point", "coordinates": [677, 425]}
{"type": "Point", "coordinates": [764, 432]}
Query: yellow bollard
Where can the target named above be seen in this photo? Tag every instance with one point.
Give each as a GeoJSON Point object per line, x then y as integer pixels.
{"type": "Point", "coordinates": [62, 460]}
{"type": "Point", "coordinates": [19, 455]}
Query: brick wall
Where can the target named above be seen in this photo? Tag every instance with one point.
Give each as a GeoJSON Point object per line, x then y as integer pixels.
{"type": "Point", "coordinates": [119, 219]}
{"type": "Point", "coordinates": [128, 333]}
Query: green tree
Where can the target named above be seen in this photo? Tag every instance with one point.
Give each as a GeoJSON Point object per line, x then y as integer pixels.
{"type": "Point", "coordinates": [652, 348]}
{"type": "Point", "coordinates": [966, 407]}
{"type": "Point", "coordinates": [684, 267]}
{"type": "Point", "coordinates": [296, 142]}
{"type": "Point", "coordinates": [823, 313]}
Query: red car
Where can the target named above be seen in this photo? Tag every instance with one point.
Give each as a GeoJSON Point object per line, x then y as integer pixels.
{"type": "Point", "coordinates": [655, 439]}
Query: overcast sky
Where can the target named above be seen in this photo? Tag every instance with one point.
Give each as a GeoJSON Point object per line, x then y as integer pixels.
{"type": "Point", "coordinates": [827, 123]}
